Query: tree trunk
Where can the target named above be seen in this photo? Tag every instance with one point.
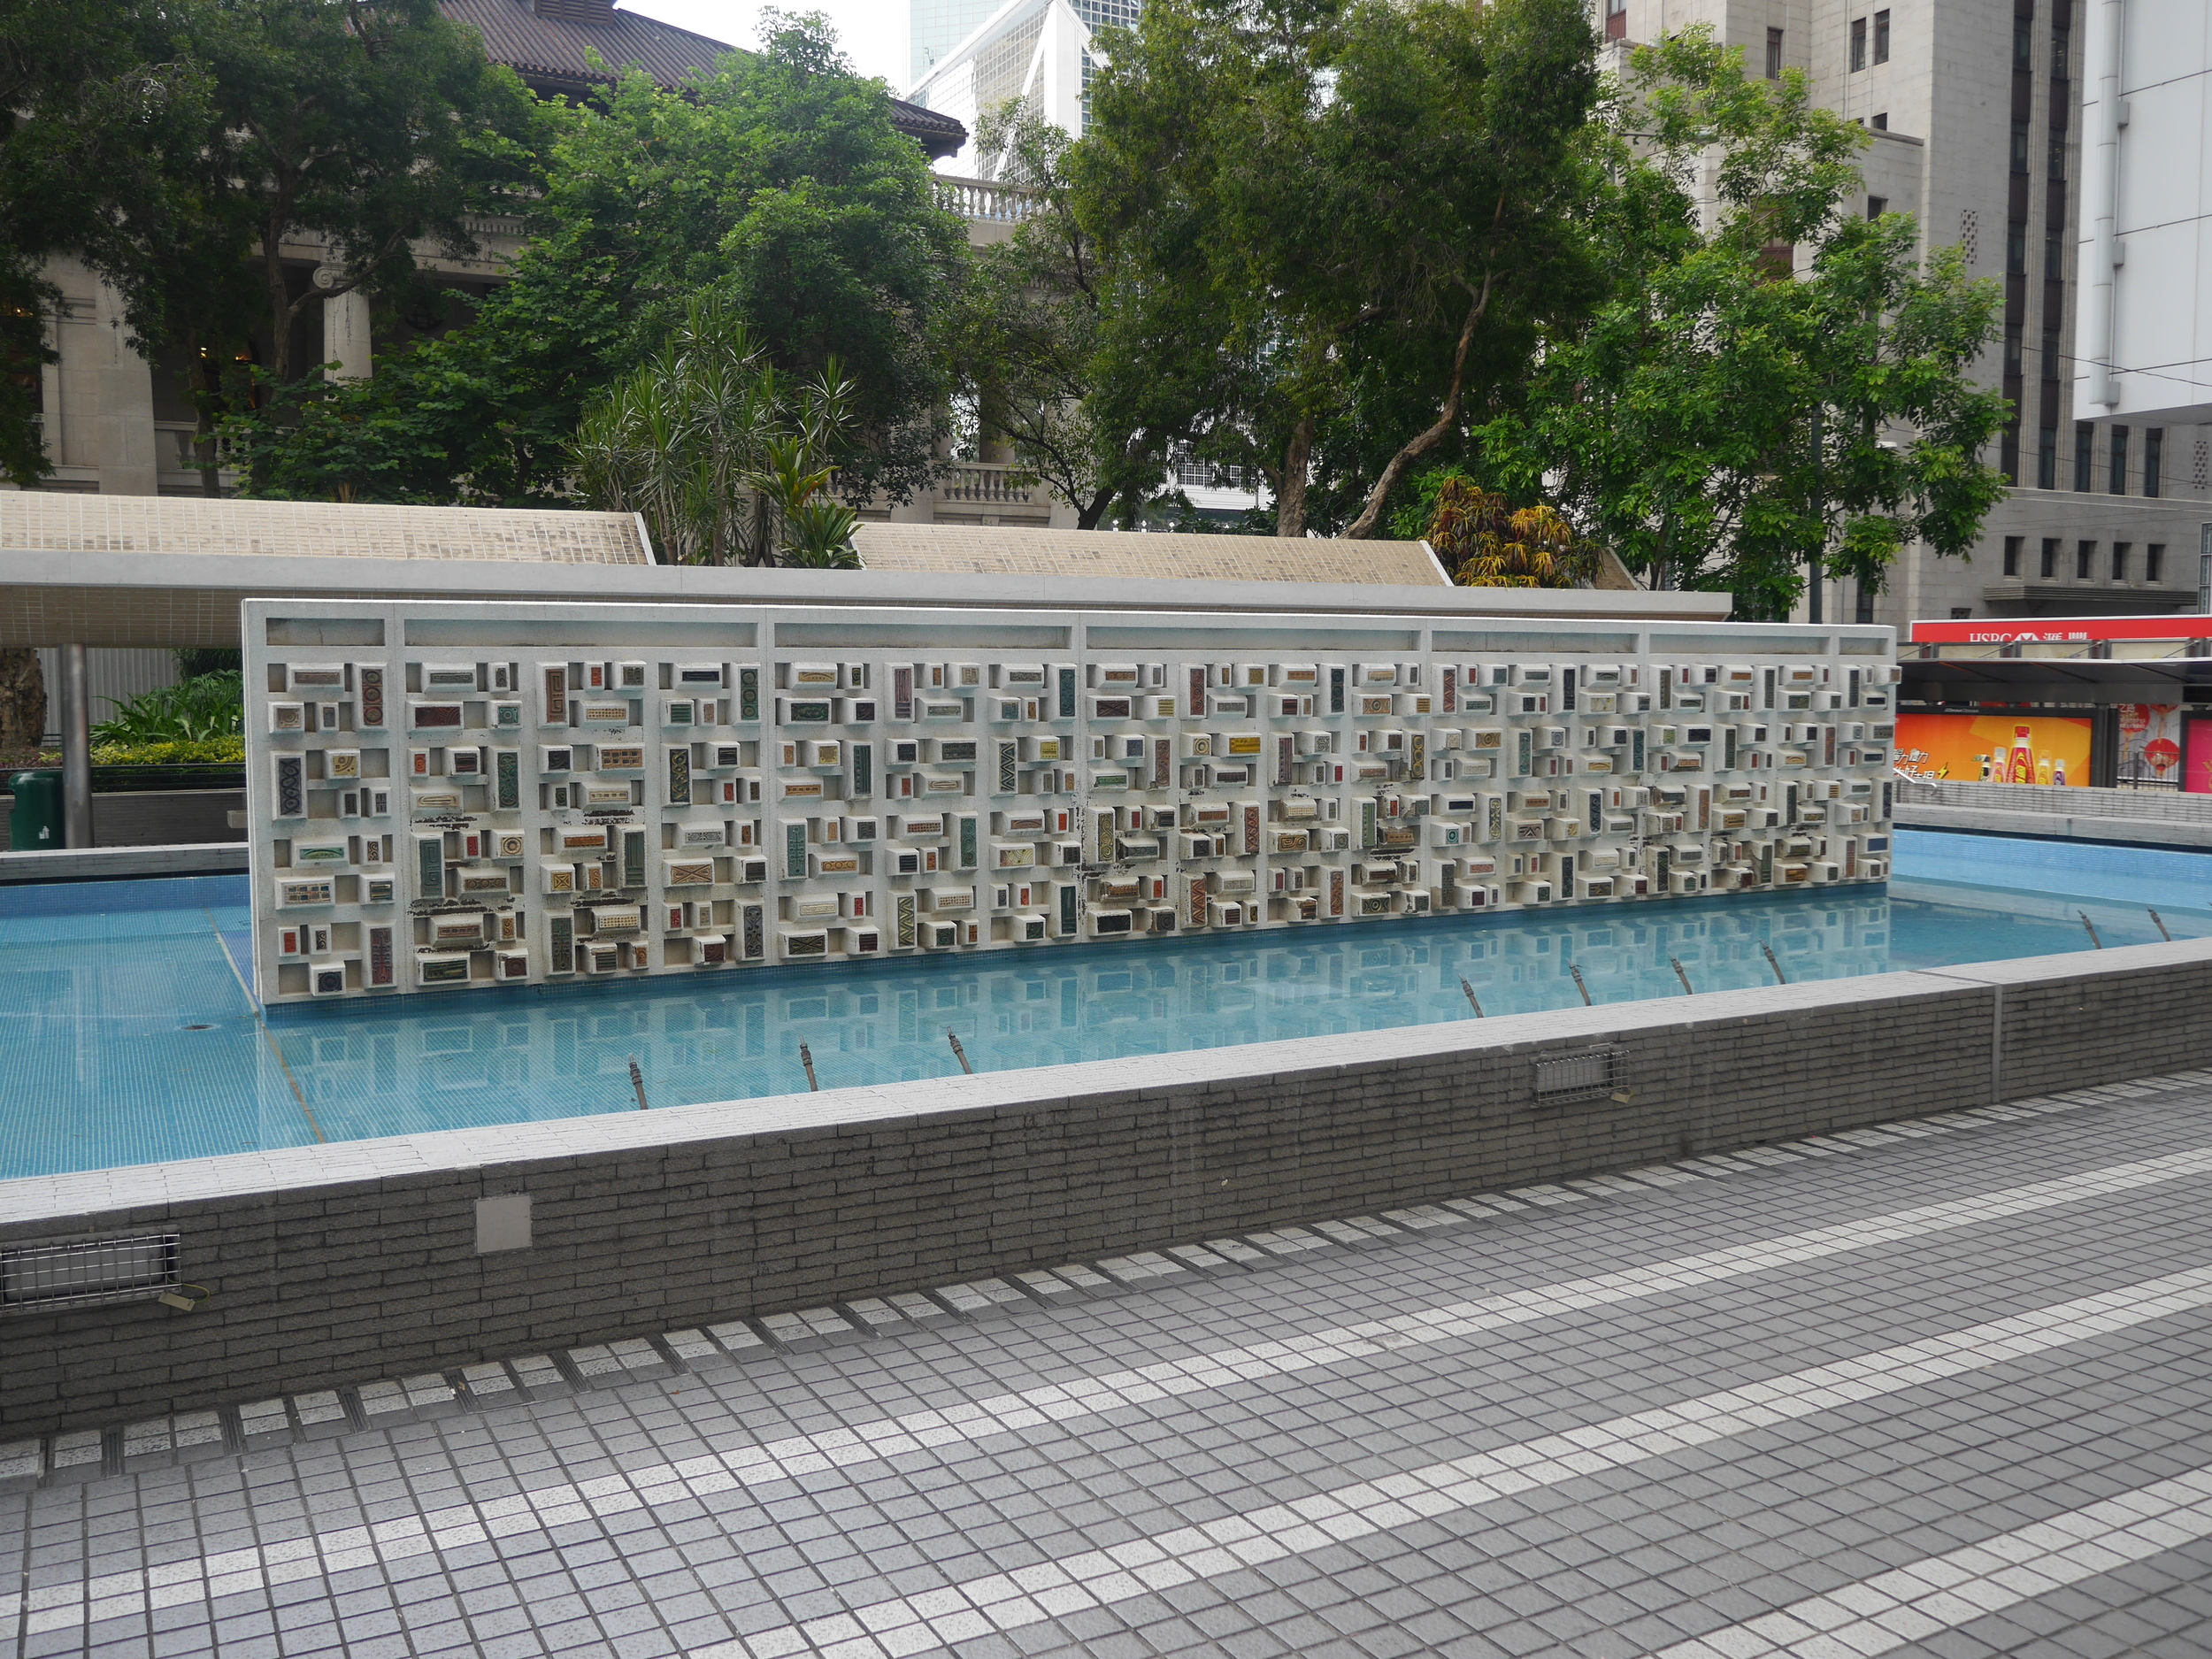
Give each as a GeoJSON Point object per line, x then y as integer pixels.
{"type": "Point", "coordinates": [22, 700]}
{"type": "Point", "coordinates": [1290, 500]}
{"type": "Point", "coordinates": [1363, 525]}
{"type": "Point", "coordinates": [1088, 518]}
{"type": "Point", "coordinates": [281, 310]}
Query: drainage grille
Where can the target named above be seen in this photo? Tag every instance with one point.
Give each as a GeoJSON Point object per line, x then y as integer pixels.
{"type": "Point", "coordinates": [36, 1277]}
{"type": "Point", "coordinates": [1583, 1075]}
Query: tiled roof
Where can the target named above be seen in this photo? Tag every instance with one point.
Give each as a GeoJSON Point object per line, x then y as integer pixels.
{"type": "Point", "coordinates": [997, 551]}
{"type": "Point", "coordinates": [49, 521]}
{"type": "Point", "coordinates": [548, 47]}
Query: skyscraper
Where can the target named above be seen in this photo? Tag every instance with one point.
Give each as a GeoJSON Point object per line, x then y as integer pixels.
{"type": "Point", "coordinates": [1973, 109]}
{"type": "Point", "coordinates": [936, 26]}
{"type": "Point", "coordinates": [1041, 50]}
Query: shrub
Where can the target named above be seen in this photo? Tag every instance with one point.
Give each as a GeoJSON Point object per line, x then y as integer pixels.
{"type": "Point", "coordinates": [190, 711]}
{"type": "Point", "coordinates": [207, 751]}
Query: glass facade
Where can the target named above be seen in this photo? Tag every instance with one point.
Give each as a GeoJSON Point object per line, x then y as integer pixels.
{"type": "Point", "coordinates": [938, 25]}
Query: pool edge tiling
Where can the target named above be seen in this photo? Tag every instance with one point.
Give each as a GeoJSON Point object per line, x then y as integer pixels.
{"type": "Point", "coordinates": [336, 1261]}
{"type": "Point", "coordinates": [119, 1065]}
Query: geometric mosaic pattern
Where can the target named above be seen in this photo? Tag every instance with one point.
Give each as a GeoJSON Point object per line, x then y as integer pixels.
{"type": "Point", "coordinates": [537, 804]}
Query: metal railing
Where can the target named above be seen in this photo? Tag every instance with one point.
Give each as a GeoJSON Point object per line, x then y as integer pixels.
{"type": "Point", "coordinates": [982, 199]}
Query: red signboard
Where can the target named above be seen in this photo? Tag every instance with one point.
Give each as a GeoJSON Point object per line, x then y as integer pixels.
{"type": "Point", "coordinates": [2196, 773]}
{"type": "Point", "coordinates": [2060, 630]}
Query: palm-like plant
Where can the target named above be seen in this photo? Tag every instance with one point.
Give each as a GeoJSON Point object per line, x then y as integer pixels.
{"type": "Point", "coordinates": [726, 462]}
{"type": "Point", "coordinates": [1486, 544]}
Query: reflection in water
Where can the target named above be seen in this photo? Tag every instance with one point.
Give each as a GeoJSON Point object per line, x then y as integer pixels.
{"type": "Point", "coordinates": [394, 1067]}
{"type": "Point", "coordinates": [130, 1037]}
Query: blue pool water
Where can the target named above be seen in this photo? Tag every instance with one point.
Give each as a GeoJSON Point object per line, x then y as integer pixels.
{"type": "Point", "coordinates": [130, 1037]}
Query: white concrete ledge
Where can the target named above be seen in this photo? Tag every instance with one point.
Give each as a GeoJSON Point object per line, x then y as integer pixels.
{"type": "Point", "coordinates": [2052, 825]}
{"type": "Point", "coordinates": [84, 864]}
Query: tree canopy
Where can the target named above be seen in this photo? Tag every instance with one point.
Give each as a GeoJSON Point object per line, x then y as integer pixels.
{"type": "Point", "coordinates": [778, 183]}
{"type": "Point", "coordinates": [1394, 256]}
{"type": "Point", "coordinates": [1723, 422]}
{"type": "Point", "coordinates": [1353, 212]}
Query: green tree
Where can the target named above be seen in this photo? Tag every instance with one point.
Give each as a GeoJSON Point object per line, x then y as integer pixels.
{"type": "Point", "coordinates": [1359, 206]}
{"type": "Point", "coordinates": [1054, 345]}
{"type": "Point", "coordinates": [726, 462]}
{"type": "Point", "coordinates": [779, 181]}
{"type": "Point", "coordinates": [1722, 424]}
{"type": "Point", "coordinates": [104, 114]}
{"type": "Point", "coordinates": [365, 129]}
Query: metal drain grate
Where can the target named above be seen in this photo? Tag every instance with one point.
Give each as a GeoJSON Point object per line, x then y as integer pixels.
{"type": "Point", "coordinates": [1583, 1075]}
{"type": "Point", "coordinates": [37, 1276]}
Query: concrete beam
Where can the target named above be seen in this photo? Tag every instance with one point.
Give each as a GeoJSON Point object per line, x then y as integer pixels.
{"type": "Point", "coordinates": [169, 599]}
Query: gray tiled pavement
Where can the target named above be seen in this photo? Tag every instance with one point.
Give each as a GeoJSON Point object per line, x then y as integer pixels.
{"type": "Point", "coordinates": [1937, 1392]}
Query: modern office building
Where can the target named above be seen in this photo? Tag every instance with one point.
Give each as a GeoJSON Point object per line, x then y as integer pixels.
{"type": "Point", "coordinates": [936, 26]}
{"type": "Point", "coordinates": [2143, 241]}
{"type": "Point", "coordinates": [1040, 51]}
{"type": "Point", "coordinates": [1976, 111]}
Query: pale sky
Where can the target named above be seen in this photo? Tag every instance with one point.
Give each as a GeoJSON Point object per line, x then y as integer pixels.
{"type": "Point", "coordinates": [872, 32]}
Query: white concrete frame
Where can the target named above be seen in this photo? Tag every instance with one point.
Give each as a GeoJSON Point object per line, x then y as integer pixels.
{"type": "Point", "coordinates": [811, 783]}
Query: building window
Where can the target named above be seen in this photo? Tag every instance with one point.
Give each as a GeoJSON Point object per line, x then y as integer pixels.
{"type": "Point", "coordinates": [1864, 612]}
{"type": "Point", "coordinates": [2047, 459]}
{"type": "Point", "coordinates": [2008, 451]}
{"type": "Point", "coordinates": [1774, 54]}
{"type": "Point", "coordinates": [2023, 43]}
{"type": "Point", "coordinates": [2058, 160]}
{"type": "Point", "coordinates": [1880, 123]}
{"type": "Point", "coordinates": [2154, 457]}
{"type": "Point", "coordinates": [1959, 613]}
{"type": "Point", "coordinates": [2117, 470]}
{"type": "Point", "coordinates": [2015, 250]}
{"type": "Point", "coordinates": [2084, 455]}
{"type": "Point", "coordinates": [1881, 37]}
{"type": "Point", "coordinates": [2061, 40]}
{"type": "Point", "coordinates": [1616, 20]}
{"type": "Point", "coordinates": [2085, 560]}
{"type": "Point", "coordinates": [2012, 350]}
{"type": "Point", "coordinates": [2154, 562]}
{"type": "Point", "coordinates": [2050, 557]}
{"type": "Point", "coordinates": [2021, 148]}
{"type": "Point", "coordinates": [2120, 551]}
{"type": "Point", "coordinates": [2012, 554]}
{"type": "Point", "coordinates": [2051, 355]}
{"type": "Point", "coordinates": [2055, 252]}
{"type": "Point", "coordinates": [1858, 43]}
{"type": "Point", "coordinates": [1876, 205]}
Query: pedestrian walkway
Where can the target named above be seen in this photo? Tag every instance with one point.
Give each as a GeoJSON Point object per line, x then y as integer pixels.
{"type": "Point", "coordinates": [1938, 1388]}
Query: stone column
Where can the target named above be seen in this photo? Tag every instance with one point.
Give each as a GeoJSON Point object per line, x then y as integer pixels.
{"type": "Point", "coordinates": [345, 328]}
{"type": "Point", "coordinates": [123, 435]}
{"type": "Point", "coordinates": [76, 748]}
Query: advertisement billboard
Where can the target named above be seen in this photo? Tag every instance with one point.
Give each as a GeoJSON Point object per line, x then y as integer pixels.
{"type": "Point", "coordinates": [2196, 768]}
{"type": "Point", "coordinates": [2150, 744]}
{"type": "Point", "coordinates": [1994, 748]}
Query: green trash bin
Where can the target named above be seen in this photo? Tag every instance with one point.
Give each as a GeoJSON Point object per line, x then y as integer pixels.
{"type": "Point", "coordinates": [35, 824]}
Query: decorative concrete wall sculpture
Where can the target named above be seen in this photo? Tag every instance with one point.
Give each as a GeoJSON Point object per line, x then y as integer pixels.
{"type": "Point", "coordinates": [456, 795]}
